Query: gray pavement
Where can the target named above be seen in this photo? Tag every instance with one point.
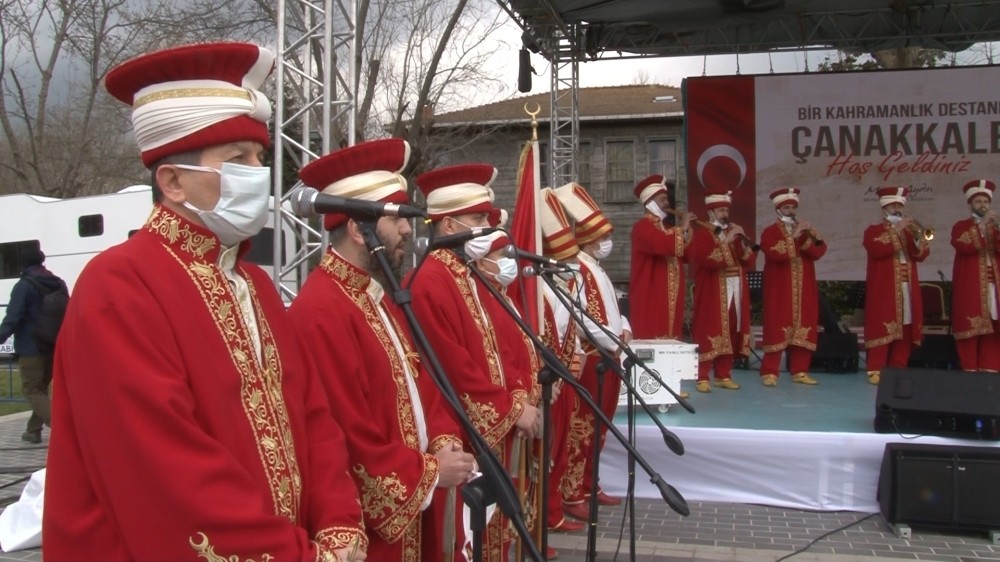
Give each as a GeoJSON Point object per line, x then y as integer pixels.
{"type": "Point", "coordinates": [713, 532]}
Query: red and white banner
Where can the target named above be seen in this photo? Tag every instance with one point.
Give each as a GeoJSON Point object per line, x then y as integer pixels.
{"type": "Point", "coordinates": [840, 136]}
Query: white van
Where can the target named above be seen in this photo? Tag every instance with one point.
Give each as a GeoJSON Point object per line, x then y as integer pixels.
{"type": "Point", "coordinates": [72, 231]}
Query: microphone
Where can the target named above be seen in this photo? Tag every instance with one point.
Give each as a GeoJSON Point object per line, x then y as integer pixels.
{"type": "Point", "coordinates": [456, 240]}
{"type": "Point", "coordinates": [541, 269]}
{"type": "Point", "coordinates": [514, 252]}
{"type": "Point", "coordinates": [307, 202]}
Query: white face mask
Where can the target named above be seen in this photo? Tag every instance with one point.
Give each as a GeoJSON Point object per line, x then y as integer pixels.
{"type": "Point", "coordinates": [786, 219]}
{"type": "Point", "coordinates": [652, 207]}
{"type": "Point", "coordinates": [244, 193]}
{"type": "Point", "coordinates": [604, 248]}
{"type": "Point", "coordinates": [893, 218]}
{"type": "Point", "coordinates": [478, 248]}
{"type": "Point", "coordinates": [508, 270]}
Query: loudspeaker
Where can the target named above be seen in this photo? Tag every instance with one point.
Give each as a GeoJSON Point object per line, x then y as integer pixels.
{"type": "Point", "coordinates": [835, 353]}
{"type": "Point", "coordinates": [937, 351]}
{"type": "Point", "coordinates": [938, 402]}
{"type": "Point", "coordinates": [939, 485]}
{"type": "Point", "coordinates": [523, 71]}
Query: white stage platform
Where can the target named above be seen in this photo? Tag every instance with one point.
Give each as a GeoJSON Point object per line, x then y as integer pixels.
{"type": "Point", "coordinates": [824, 471]}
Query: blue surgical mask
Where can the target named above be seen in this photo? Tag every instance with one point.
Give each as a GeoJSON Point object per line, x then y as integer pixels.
{"type": "Point", "coordinates": [508, 270]}
{"type": "Point", "coordinates": [244, 193]}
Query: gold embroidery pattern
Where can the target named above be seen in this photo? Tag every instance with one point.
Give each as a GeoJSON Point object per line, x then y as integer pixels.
{"type": "Point", "coordinates": [483, 416]}
{"type": "Point", "coordinates": [465, 288]}
{"type": "Point", "coordinates": [380, 494]}
{"type": "Point", "coordinates": [581, 428]}
{"type": "Point", "coordinates": [441, 441]}
{"type": "Point", "coordinates": [595, 304]}
{"type": "Point", "coordinates": [335, 538]}
{"type": "Point", "coordinates": [884, 238]}
{"type": "Point", "coordinates": [781, 246]}
{"type": "Point", "coordinates": [411, 542]}
{"type": "Point", "coordinates": [205, 550]}
{"type": "Point", "coordinates": [353, 282]}
{"type": "Point", "coordinates": [716, 255]}
{"type": "Point", "coordinates": [263, 400]}
{"type": "Point", "coordinates": [386, 500]}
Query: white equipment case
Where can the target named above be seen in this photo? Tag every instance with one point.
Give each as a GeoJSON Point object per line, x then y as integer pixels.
{"type": "Point", "coordinates": [671, 360]}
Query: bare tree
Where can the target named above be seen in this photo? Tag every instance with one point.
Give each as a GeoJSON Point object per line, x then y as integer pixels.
{"type": "Point", "coordinates": [424, 57]}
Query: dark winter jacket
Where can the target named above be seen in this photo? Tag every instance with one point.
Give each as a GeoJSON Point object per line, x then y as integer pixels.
{"type": "Point", "coordinates": [22, 310]}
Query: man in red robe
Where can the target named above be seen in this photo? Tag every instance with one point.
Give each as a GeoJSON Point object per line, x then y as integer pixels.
{"type": "Point", "coordinates": [657, 283]}
{"type": "Point", "coordinates": [403, 442]}
{"type": "Point", "coordinates": [894, 309]}
{"type": "Point", "coordinates": [974, 281]}
{"type": "Point", "coordinates": [460, 330]}
{"type": "Point", "coordinates": [720, 254]}
{"type": "Point", "coordinates": [188, 424]}
{"type": "Point", "coordinates": [593, 234]}
{"type": "Point", "coordinates": [791, 295]}
{"type": "Point", "coordinates": [561, 337]}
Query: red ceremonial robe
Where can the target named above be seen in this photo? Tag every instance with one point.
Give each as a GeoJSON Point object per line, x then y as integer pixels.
{"type": "Point", "coordinates": [562, 340]}
{"type": "Point", "coordinates": [337, 316]}
{"type": "Point", "coordinates": [970, 309]}
{"type": "Point", "coordinates": [885, 276]}
{"type": "Point", "coordinates": [171, 440]}
{"type": "Point", "coordinates": [601, 302]}
{"type": "Point", "coordinates": [463, 338]}
{"type": "Point", "coordinates": [656, 283]}
{"type": "Point", "coordinates": [791, 295]}
{"type": "Point", "coordinates": [713, 260]}
{"type": "Point", "coordinates": [520, 367]}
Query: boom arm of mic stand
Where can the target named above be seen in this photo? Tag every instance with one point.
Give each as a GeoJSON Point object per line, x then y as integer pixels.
{"type": "Point", "coordinates": [673, 442]}
{"type": "Point", "coordinates": [564, 298]}
{"type": "Point", "coordinates": [493, 470]}
{"type": "Point", "coordinates": [671, 496]}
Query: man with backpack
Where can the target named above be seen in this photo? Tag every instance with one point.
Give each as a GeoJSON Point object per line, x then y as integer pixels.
{"type": "Point", "coordinates": [33, 318]}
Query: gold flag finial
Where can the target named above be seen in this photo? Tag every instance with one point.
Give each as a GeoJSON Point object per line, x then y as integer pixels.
{"type": "Point", "coordinates": [534, 121]}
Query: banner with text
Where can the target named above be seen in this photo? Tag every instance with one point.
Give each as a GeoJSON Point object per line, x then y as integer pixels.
{"type": "Point", "coordinates": [840, 136]}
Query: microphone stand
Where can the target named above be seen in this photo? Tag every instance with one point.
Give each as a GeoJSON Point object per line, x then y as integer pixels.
{"type": "Point", "coordinates": [630, 489]}
{"type": "Point", "coordinates": [495, 484]}
{"type": "Point", "coordinates": [673, 443]}
{"type": "Point", "coordinates": [671, 496]}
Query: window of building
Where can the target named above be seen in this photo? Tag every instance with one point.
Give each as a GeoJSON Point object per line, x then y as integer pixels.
{"type": "Point", "coordinates": [619, 159]}
{"type": "Point", "coordinates": [10, 257]}
{"type": "Point", "coordinates": [663, 158]}
{"type": "Point", "coordinates": [90, 225]}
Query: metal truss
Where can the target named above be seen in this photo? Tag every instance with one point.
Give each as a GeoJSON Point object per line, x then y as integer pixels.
{"type": "Point", "coordinates": [564, 130]}
{"type": "Point", "coordinates": [848, 25]}
{"type": "Point", "coordinates": [316, 110]}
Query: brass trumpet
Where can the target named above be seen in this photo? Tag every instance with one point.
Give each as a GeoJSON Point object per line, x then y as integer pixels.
{"type": "Point", "coordinates": [919, 230]}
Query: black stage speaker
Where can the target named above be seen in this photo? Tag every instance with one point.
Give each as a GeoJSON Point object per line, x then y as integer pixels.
{"type": "Point", "coordinates": [940, 485]}
{"type": "Point", "coordinates": [938, 402]}
{"type": "Point", "coordinates": [937, 351]}
{"type": "Point", "coordinates": [835, 353]}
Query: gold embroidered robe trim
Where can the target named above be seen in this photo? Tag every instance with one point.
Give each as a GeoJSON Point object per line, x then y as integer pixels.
{"type": "Point", "coordinates": [894, 329]}
{"type": "Point", "coordinates": [483, 415]}
{"type": "Point", "coordinates": [260, 392]}
{"type": "Point", "coordinates": [981, 324]}
{"type": "Point", "coordinates": [384, 497]}
{"type": "Point", "coordinates": [674, 278]}
{"type": "Point", "coordinates": [205, 550]}
{"type": "Point", "coordinates": [354, 283]}
{"type": "Point", "coordinates": [335, 538]}
{"type": "Point", "coordinates": [722, 345]}
{"type": "Point", "coordinates": [795, 334]}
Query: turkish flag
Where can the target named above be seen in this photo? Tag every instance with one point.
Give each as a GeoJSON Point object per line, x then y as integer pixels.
{"type": "Point", "coordinates": [526, 234]}
{"type": "Point", "coordinates": [720, 132]}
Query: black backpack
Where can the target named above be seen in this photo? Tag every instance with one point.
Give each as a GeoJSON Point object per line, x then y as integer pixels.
{"type": "Point", "coordinates": [46, 327]}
